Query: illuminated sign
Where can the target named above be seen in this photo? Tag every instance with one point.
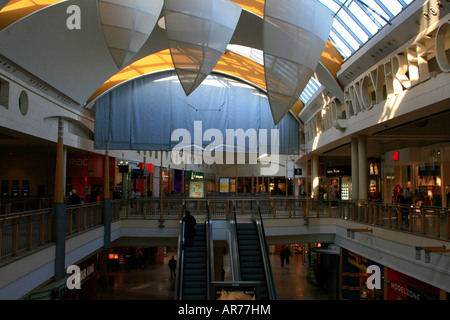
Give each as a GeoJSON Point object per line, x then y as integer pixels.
{"type": "Point", "coordinates": [395, 156]}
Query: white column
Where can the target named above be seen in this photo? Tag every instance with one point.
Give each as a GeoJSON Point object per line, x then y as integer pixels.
{"type": "Point", "coordinates": [363, 168]}
{"type": "Point", "coordinates": [355, 179]}
{"type": "Point", "coordinates": [315, 177]}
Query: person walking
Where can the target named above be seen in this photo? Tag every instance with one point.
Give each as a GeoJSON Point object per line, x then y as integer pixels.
{"type": "Point", "coordinates": [287, 254]}
{"type": "Point", "coordinates": [172, 266]}
{"type": "Point", "coordinates": [282, 256]}
{"type": "Point", "coordinates": [189, 228]}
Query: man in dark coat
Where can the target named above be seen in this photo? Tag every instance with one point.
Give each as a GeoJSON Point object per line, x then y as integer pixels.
{"type": "Point", "coordinates": [172, 266]}
{"type": "Point", "coordinates": [74, 198]}
{"type": "Point", "coordinates": [189, 228]}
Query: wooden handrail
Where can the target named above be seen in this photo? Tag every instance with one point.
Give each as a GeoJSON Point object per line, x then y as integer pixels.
{"type": "Point", "coordinates": [425, 221]}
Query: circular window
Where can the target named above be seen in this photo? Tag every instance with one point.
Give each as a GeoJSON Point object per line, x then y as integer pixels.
{"type": "Point", "coordinates": [23, 103]}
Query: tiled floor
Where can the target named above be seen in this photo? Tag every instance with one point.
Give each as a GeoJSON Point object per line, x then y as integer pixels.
{"type": "Point", "coordinates": [153, 283]}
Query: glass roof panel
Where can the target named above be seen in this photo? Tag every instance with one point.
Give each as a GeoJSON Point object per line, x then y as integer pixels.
{"type": "Point", "coordinates": [355, 22]}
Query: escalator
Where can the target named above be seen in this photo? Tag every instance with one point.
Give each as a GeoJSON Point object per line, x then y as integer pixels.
{"type": "Point", "coordinates": [195, 280]}
{"type": "Point", "coordinates": [194, 265]}
{"type": "Point", "coordinates": [254, 263]}
{"type": "Point", "coordinates": [250, 258]}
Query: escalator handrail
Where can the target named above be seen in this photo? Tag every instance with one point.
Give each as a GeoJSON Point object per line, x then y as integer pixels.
{"type": "Point", "coordinates": [265, 255]}
{"type": "Point", "coordinates": [180, 257]}
{"type": "Point", "coordinates": [209, 254]}
{"type": "Point", "coordinates": [234, 252]}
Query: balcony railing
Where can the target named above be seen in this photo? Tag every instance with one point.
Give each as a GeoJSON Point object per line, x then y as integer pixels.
{"type": "Point", "coordinates": [24, 231]}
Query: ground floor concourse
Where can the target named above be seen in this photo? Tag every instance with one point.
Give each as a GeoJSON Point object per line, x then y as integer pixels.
{"type": "Point", "coordinates": [152, 282]}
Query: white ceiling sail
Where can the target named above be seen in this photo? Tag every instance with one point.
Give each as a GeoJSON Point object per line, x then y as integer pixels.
{"type": "Point", "coordinates": [126, 25]}
{"type": "Point", "coordinates": [295, 33]}
{"type": "Point", "coordinates": [198, 33]}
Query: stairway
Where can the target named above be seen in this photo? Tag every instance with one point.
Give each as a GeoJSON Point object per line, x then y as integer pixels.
{"type": "Point", "coordinates": [195, 267]}
{"type": "Point", "coordinates": [250, 258]}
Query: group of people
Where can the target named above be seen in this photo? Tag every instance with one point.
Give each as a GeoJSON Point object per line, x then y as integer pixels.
{"type": "Point", "coordinates": [285, 253]}
{"type": "Point", "coordinates": [405, 198]}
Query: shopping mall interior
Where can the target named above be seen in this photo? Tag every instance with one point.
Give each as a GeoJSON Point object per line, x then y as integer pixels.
{"type": "Point", "coordinates": [274, 149]}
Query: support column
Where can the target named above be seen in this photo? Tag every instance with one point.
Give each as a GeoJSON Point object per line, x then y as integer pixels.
{"type": "Point", "coordinates": [59, 222]}
{"type": "Point", "coordinates": [315, 176]}
{"type": "Point", "coordinates": [236, 184]}
{"type": "Point", "coordinates": [144, 195]}
{"type": "Point", "coordinates": [161, 193]}
{"type": "Point", "coordinates": [106, 200]}
{"type": "Point", "coordinates": [355, 172]}
{"type": "Point", "coordinates": [363, 168]}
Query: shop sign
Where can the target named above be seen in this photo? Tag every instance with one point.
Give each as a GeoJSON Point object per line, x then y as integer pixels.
{"type": "Point", "coordinates": [192, 175]}
{"type": "Point", "coordinates": [395, 156]}
{"type": "Point", "coordinates": [338, 171]}
{"type": "Point", "coordinates": [403, 287]}
{"type": "Point", "coordinates": [405, 291]}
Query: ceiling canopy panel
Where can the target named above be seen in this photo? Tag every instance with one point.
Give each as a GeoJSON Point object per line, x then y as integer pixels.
{"type": "Point", "coordinates": [127, 26]}
{"type": "Point", "coordinates": [198, 33]}
{"type": "Point", "coordinates": [295, 35]}
{"type": "Point", "coordinates": [79, 65]}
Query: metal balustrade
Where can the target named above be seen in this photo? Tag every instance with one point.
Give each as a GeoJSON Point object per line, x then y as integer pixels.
{"type": "Point", "coordinates": [25, 230]}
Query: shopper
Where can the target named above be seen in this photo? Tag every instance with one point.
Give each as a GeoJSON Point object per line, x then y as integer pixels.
{"type": "Point", "coordinates": [94, 195]}
{"type": "Point", "coordinates": [172, 266]}
{"type": "Point", "coordinates": [189, 228]}
{"type": "Point", "coordinates": [282, 256]}
{"type": "Point", "coordinates": [287, 254]}
{"type": "Point", "coordinates": [74, 198]}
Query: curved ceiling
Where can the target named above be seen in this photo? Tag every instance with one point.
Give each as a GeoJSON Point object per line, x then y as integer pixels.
{"type": "Point", "coordinates": [33, 34]}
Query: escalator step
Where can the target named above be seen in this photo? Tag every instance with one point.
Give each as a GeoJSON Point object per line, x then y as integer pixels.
{"type": "Point", "coordinates": [190, 266]}
{"type": "Point", "coordinates": [195, 297]}
{"type": "Point", "coordinates": [194, 259]}
{"type": "Point", "coordinates": [248, 237]}
{"type": "Point", "coordinates": [194, 290]}
{"type": "Point", "coordinates": [194, 277]}
{"type": "Point", "coordinates": [250, 248]}
{"type": "Point", "coordinates": [194, 284]}
{"type": "Point", "coordinates": [249, 253]}
{"type": "Point", "coordinates": [248, 242]}
{"type": "Point", "coordinates": [246, 226]}
{"type": "Point", "coordinates": [253, 277]}
{"type": "Point", "coordinates": [194, 250]}
{"type": "Point", "coordinates": [194, 271]}
{"type": "Point", "coordinates": [255, 258]}
{"type": "Point", "coordinates": [252, 269]}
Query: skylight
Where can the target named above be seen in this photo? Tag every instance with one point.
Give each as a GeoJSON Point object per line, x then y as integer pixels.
{"type": "Point", "coordinates": [355, 22]}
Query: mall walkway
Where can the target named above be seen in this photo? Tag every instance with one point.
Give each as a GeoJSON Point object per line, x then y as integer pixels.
{"type": "Point", "coordinates": [153, 282]}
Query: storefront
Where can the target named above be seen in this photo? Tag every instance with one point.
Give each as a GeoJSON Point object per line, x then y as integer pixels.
{"type": "Point", "coordinates": [338, 183]}
{"type": "Point", "coordinates": [374, 180]}
{"type": "Point", "coordinates": [403, 287]}
{"type": "Point", "coordinates": [84, 173]}
{"type": "Point", "coordinates": [426, 171]}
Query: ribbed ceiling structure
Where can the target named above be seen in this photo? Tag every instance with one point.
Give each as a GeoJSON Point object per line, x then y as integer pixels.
{"type": "Point", "coordinates": [78, 63]}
